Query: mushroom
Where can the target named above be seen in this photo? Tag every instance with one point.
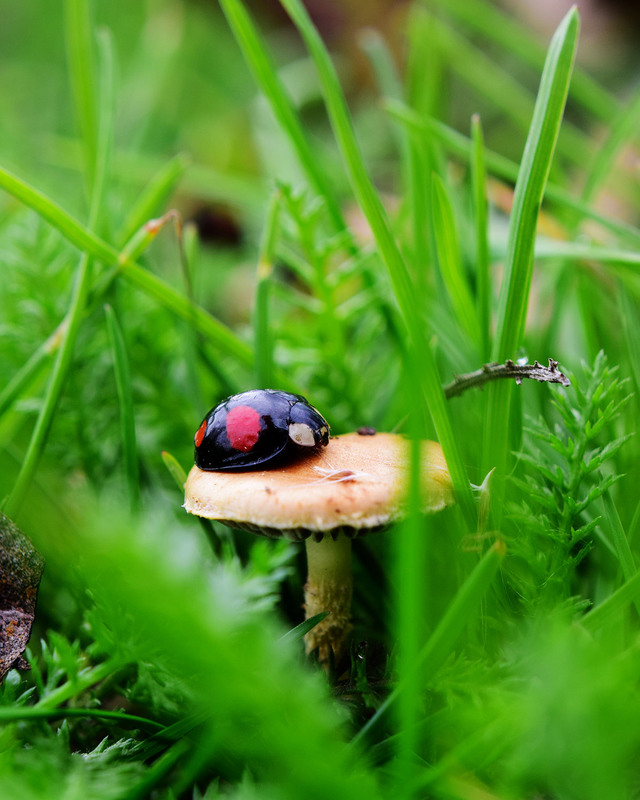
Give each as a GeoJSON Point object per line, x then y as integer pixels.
{"type": "Point", "coordinates": [356, 485]}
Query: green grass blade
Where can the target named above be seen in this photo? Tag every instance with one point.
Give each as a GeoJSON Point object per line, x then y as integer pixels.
{"type": "Point", "coordinates": [450, 261]}
{"type": "Point", "coordinates": [483, 275]}
{"type": "Point", "coordinates": [613, 605]}
{"type": "Point", "coordinates": [514, 293]}
{"type": "Point", "coordinates": [423, 92]}
{"type": "Point", "coordinates": [440, 644]}
{"type": "Point", "coordinates": [266, 76]}
{"type": "Point", "coordinates": [79, 296]}
{"type": "Point", "coordinates": [298, 633]}
{"type": "Point", "coordinates": [619, 539]}
{"type": "Point", "coordinates": [497, 84]}
{"type": "Point", "coordinates": [90, 676]}
{"type": "Point", "coordinates": [410, 150]}
{"type": "Point", "coordinates": [262, 339]}
{"type": "Point", "coordinates": [532, 179]}
{"type": "Point", "coordinates": [125, 398]}
{"type": "Point", "coordinates": [217, 333]}
{"type": "Point", "coordinates": [77, 233]}
{"type": "Point", "coordinates": [499, 26]}
{"type": "Point", "coordinates": [414, 614]}
{"type": "Point", "coordinates": [82, 75]}
{"type": "Point", "coordinates": [623, 261]}
{"type": "Point", "coordinates": [622, 129]}
{"type": "Point", "coordinates": [175, 469]}
{"type": "Point", "coordinates": [153, 199]}
{"type": "Point", "coordinates": [422, 364]}
{"type": "Point", "coordinates": [460, 613]}
{"type": "Point", "coordinates": [87, 241]}
{"type": "Point", "coordinates": [30, 370]}
{"type": "Point", "coordinates": [19, 713]}
{"type": "Point", "coordinates": [506, 169]}
{"type": "Point", "coordinates": [630, 324]}
{"type": "Point", "coordinates": [387, 79]}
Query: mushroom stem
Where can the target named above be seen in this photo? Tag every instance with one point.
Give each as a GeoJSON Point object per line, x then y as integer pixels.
{"type": "Point", "coordinates": [329, 588]}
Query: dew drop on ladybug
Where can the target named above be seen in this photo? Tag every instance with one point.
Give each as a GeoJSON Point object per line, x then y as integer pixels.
{"type": "Point", "coordinates": [251, 429]}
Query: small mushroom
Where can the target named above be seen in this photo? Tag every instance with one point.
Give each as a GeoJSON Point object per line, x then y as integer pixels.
{"type": "Point", "coordinates": [356, 485]}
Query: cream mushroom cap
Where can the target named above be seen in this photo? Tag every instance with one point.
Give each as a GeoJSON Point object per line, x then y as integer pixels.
{"type": "Point", "coordinates": [355, 485]}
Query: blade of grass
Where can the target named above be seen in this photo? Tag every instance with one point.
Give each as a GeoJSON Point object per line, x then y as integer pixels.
{"type": "Point", "coordinates": [298, 633]}
{"type": "Point", "coordinates": [80, 59]}
{"type": "Point", "coordinates": [388, 81]}
{"type": "Point", "coordinates": [621, 130]}
{"type": "Point", "coordinates": [504, 168]}
{"type": "Point", "coordinates": [87, 241]}
{"type": "Point", "coordinates": [619, 539]}
{"type": "Point", "coordinates": [152, 200]}
{"type": "Point", "coordinates": [17, 714]}
{"type": "Point", "coordinates": [631, 331]}
{"type": "Point", "coordinates": [623, 261]}
{"type": "Point", "coordinates": [414, 544]}
{"type": "Point", "coordinates": [440, 644]}
{"type": "Point", "coordinates": [266, 76]}
{"type": "Point", "coordinates": [479, 196]}
{"type": "Point", "coordinates": [127, 416]}
{"type": "Point", "coordinates": [31, 370]}
{"type": "Point", "coordinates": [90, 676]}
{"type": "Point", "coordinates": [411, 152]}
{"type": "Point", "coordinates": [450, 261]}
{"type": "Point", "coordinates": [262, 338]}
{"type": "Point", "coordinates": [371, 205]}
{"type": "Point", "coordinates": [505, 92]}
{"type": "Point", "coordinates": [510, 33]}
{"type": "Point", "coordinates": [514, 293]}
{"type": "Point", "coordinates": [217, 542]}
{"type": "Point", "coordinates": [423, 91]}
{"type": "Point", "coordinates": [613, 605]}
{"type": "Point", "coordinates": [80, 291]}
{"type": "Point", "coordinates": [174, 469]}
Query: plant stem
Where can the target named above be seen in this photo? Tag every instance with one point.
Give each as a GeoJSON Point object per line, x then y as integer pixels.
{"type": "Point", "coordinates": [329, 588]}
{"type": "Point", "coordinates": [492, 372]}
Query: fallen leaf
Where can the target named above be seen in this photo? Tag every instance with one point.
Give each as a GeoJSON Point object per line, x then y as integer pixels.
{"type": "Point", "coordinates": [20, 571]}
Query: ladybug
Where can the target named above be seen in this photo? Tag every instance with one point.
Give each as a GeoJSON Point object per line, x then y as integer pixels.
{"type": "Point", "coordinates": [250, 429]}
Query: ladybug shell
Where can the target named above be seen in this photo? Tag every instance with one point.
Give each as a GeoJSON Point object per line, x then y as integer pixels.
{"type": "Point", "coordinates": [249, 429]}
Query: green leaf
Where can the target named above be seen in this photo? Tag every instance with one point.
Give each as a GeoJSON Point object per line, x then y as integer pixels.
{"type": "Point", "coordinates": [440, 644]}
{"type": "Point", "coordinates": [81, 286]}
{"type": "Point", "coordinates": [127, 415]}
{"type": "Point", "coordinates": [266, 76]}
{"type": "Point", "coordinates": [175, 469]}
{"type": "Point", "coordinates": [450, 261]}
{"type": "Point", "coordinates": [483, 274]}
{"type": "Point", "coordinates": [298, 633]}
{"type": "Point", "coordinates": [514, 293]}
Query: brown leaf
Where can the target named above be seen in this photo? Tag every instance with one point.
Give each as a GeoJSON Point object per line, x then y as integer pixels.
{"type": "Point", "coordinates": [20, 571]}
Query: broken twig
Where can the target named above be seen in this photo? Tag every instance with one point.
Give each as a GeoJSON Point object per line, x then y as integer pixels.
{"type": "Point", "coordinates": [493, 372]}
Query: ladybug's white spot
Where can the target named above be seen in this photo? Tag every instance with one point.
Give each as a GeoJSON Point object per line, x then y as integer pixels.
{"type": "Point", "coordinates": [301, 434]}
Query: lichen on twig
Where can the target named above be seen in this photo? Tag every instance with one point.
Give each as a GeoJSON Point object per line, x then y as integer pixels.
{"type": "Point", "coordinates": [510, 369]}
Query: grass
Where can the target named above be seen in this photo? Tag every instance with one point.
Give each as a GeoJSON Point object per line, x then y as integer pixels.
{"type": "Point", "coordinates": [383, 248]}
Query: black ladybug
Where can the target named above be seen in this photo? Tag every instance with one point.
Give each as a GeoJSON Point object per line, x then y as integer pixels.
{"type": "Point", "coordinates": [249, 429]}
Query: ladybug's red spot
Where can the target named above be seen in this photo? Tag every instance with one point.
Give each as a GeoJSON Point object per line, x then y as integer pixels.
{"type": "Point", "coordinates": [200, 433]}
{"type": "Point", "coordinates": [243, 428]}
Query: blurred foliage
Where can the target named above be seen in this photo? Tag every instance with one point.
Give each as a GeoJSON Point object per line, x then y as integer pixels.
{"type": "Point", "coordinates": [160, 664]}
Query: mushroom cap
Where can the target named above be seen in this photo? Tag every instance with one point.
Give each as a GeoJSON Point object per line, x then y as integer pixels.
{"type": "Point", "coordinates": [355, 485]}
